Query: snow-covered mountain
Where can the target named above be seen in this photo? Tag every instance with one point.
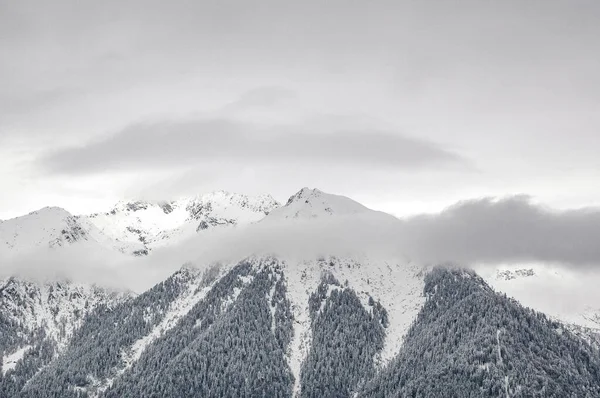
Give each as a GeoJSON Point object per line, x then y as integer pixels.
{"type": "Point", "coordinates": [54, 227]}
{"type": "Point", "coordinates": [156, 224]}
{"type": "Point", "coordinates": [568, 297]}
{"type": "Point", "coordinates": [38, 319]}
{"type": "Point", "coordinates": [312, 203]}
{"type": "Point", "coordinates": [134, 227]}
{"type": "Point", "coordinates": [389, 291]}
{"type": "Point", "coordinates": [304, 320]}
{"type": "Point", "coordinates": [236, 330]}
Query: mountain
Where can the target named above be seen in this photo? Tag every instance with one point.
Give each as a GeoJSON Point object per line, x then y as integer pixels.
{"type": "Point", "coordinates": [156, 224]}
{"type": "Point", "coordinates": [563, 295]}
{"type": "Point", "coordinates": [234, 330]}
{"type": "Point", "coordinates": [306, 320]}
{"type": "Point", "coordinates": [252, 327]}
{"type": "Point", "coordinates": [53, 227]}
{"type": "Point", "coordinates": [469, 341]}
{"type": "Point", "coordinates": [38, 320]}
{"type": "Point", "coordinates": [284, 306]}
{"type": "Point", "coordinates": [131, 227]}
{"type": "Point", "coordinates": [312, 203]}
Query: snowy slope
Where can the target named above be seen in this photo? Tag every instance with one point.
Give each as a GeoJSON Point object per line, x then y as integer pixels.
{"type": "Point", "coordinates": [57, 307]}
{"type": "Point", "coordinates": [570, 297]}
{"type": "Point", "coordinates": [397, 285]}
{"type": "Point", "coordinates": [156, 224]}
{"type": "Point", "coordinates": [50, 310]}
{"type": "Point", "coordinates": [54, 227]}
{"type": "Point", "coordinates": [394, 282]}
{"type": "Point", "coordinates": [373, 276]}
{"type": "Point", "coordinates": [313, 203]}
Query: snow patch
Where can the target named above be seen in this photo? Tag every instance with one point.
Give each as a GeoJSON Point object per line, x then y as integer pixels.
{"type": "Point", "coordinates": [398, 287]}
{"type": "Point", "coordinates": [270, 298]}
{"type": "Point", "coordinates": [179, 308]}
{"type": "Point", "coordinates": [57, 307]}
{"type": "Point", "coordinates": [10, 361]}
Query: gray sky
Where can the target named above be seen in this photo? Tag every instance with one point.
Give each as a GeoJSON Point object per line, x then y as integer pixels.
{"type": "Point", "coordinates": [405, 106]}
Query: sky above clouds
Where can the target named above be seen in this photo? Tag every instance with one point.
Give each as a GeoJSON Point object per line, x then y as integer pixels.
{"type": "Point", "coordinates": [404, 106]}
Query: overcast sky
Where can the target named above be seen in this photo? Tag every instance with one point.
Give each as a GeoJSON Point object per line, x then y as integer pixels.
{"type": "Point", "coordinates": [405, 106]}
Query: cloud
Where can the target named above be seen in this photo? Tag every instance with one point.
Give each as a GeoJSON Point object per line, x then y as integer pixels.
{"type": "Point", "coordinates": [508, 230]}
{"type": "Point", "coordinates": [478, 232]}
{"type": "Point", "coordinates": [12, 103]}
{"type": "Point", "coordinates": [181, 144]}
{"type": "Point", "coordinates": [473, 233]}
{"type": "Point", "coordinates": [264, 96]}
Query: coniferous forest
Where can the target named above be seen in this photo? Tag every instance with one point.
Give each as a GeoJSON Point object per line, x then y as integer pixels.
{"type": "Point", "coordinates": [466, 341]}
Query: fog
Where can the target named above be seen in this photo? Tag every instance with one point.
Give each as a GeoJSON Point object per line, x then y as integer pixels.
{"type": "Point", "coordinates": [483, 232]}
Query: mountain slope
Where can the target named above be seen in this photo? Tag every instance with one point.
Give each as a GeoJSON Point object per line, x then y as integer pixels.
{"type": "Point", "coordinates": [157, 224]}
{"type": "Point", "coordinates": [327, 314]}
{"type": "Point", "coordinates": [566, 295]}
{"type": "Point", "coordinates": [258, 323]}
{"type": "Point", "coordinates": [469, 341]}
{"type": "Point", "coordinates": [235, 336]}
{"type": "Point", "coordinates": [52, 228]}
{"type": "Point", "coordinates": [37, 322]}
{"type": "Point", "coordinates": [131, 227]}
{"type": "Point", "coordinates": [312, 203]}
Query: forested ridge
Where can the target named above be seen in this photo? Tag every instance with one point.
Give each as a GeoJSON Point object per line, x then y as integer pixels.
{"type": "Point", "coordinates": [467, 341]}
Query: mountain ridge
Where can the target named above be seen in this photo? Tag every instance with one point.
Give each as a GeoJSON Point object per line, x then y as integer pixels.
{"type": "Point", "coordinates": [277, 324]}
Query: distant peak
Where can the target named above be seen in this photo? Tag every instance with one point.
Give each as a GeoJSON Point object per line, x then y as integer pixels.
{"type": "Point", "coordinates": [314, 203]}
{"type": "Point", "coordinates": [51, 210]}
{"type": "Point", "coordinates": [304, 193]}
{"type": "Point", "coordinates": [130, 206]}
{"type": "Point", "coordinates": [514, 274]}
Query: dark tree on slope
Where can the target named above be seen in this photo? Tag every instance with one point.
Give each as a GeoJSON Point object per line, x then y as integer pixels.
{"type": "Point", "coordinates": [469, 341]}
{"type": "Point", "coordinates": [39, 355]}
{"type": "Point", "coordinates": [96, 348]}
{"type": "Point", "coordinates": [14, 336]}
{"type": "Point", "coordinates": [345, 339]}
{"type": "Point", "coordinates": [236, 353]}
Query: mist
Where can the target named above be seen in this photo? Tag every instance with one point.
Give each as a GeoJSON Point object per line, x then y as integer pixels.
{"type": "Point", "coordinates": [483, 233]}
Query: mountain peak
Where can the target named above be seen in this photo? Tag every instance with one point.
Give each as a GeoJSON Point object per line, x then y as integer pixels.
{"type": "Point", "coordinates": [49, 211]}
{"type": "Point", "coordinates": [304, 194]}
{"type": "Point", "coordinates": [312, 203]}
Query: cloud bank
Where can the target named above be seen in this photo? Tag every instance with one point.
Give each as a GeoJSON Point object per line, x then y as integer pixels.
{"type": "Point", "coordinates": [507, 230]}
{"type": "Point", "coordinates": [176, 144]}
{"type": "Point", "coordinates": [484, 231]}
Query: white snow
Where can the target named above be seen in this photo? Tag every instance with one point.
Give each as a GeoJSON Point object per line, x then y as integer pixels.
{"type": "Point", "coordinates": [161, 223]}
{"type": "Point", "coordinates": [498, 349]}
{"type": "Point", "coordinates": [392, 280]}
{"type": "Point", "coordinates": [10, 361]}
{"type": "Point", "coordinates": [178, 309]}
{"type": "Point", "coordinates": [567, 295]}
{"type": "Point", "coordinates": [58, 307]}
{"type": "Point", "coordinates": [397, 286]}
{"type": "Point", "coordinates": [301, 279]}
{"type": "Point", "coordinates": [313, 203]}
{"type": "Point", "coordinates": [131, 227]}
{"type": "Point", "coordinates": [272, 307]}
{"type": "Point", "coordinates": [53, 227]}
